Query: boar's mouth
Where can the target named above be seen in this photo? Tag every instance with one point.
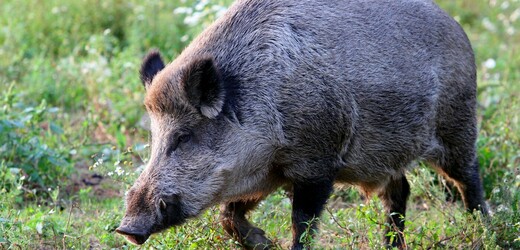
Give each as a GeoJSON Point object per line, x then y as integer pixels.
{"type": "Point", "coordinates": [138, 235]}
{"type": "Point", "coordinates": [135, 237]}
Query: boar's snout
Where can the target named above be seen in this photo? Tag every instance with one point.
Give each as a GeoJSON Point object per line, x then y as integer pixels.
{"type": "Point", "coordinates": [134, 236]}
{"type": "Point", "coordinates": [144, 218]}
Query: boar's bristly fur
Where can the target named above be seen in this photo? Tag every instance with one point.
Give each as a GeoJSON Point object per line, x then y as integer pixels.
{"type": "Point", "coordinates": [302, 94]}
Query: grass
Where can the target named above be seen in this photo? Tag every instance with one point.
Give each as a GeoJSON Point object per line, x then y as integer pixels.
{"type": "Point", "coordinates": [73, 137]}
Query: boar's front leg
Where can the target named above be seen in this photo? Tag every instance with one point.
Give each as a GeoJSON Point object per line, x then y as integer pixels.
{"type": "Point", "coordinates": [232, 218]}
{"type": "Point", "coordinates": [308, 202]}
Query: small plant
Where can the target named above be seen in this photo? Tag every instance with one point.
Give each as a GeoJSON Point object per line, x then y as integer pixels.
{"type": "Point", "coordinates": [30, 144]}
{"type": "Point", "coordinates": [307, 237]}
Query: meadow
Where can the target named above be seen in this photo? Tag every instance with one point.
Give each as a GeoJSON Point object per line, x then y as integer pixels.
{"type": "Point", "coordinates": [73, 133]}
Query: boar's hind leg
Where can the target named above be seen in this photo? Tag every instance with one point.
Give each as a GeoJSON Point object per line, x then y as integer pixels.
{"type": "Point", "coordinates": [456, 136]}
{"type": "Point", "coordinates": [308, 202]}
{"type": "Point", "coordinates": [233, 219]}
{"type": "Point", "coordinates": [465, 174]}
{"type": "Point", "coordinates": [394, 196]}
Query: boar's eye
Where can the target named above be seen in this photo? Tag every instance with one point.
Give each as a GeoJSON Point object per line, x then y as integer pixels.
{"type": "Point", "coordinates": [183, 138]}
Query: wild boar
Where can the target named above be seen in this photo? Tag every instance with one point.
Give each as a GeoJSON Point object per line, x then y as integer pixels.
{"type": "Point", "coordinates": [304, 94]}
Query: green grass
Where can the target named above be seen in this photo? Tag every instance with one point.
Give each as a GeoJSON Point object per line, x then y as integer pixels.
{"type": "Point", "coordinates": [71, 111]}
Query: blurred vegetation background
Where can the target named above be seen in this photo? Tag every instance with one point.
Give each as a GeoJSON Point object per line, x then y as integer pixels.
{"type": "Point", "coordinates": [73, 134]}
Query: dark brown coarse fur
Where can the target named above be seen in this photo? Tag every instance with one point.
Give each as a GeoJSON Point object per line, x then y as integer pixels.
{"type": "Point", "coordinates": [305, 94]}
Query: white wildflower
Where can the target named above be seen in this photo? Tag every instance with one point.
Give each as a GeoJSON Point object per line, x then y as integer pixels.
{"type": "Point", "coordinates": [514, 15]}
{"type": "Point", "coordinates": [119, 170]}
{"type": "Point", "coordinates": [502, 208]}
{"type": "Point", "coordinates": [139, 9]}
{"type": "Point", "coordinates": [99, 162]}
{"type": "Point", "coordinates": [193, 19]}
{"type": "Point", "coordinates": [200, 6]}
{"type": "Point", "coordinates": [221, 12]}
{"type": "Point", "coordinates": [488, 24]}
{"type": "Point", "coordinates": [55, 10]}
{"type": "Point", "coordinates": [490, 63]}
{"type": "Point", "coordinates": [128, 65]}
{"type": "Point", "coordinates": [39, 228]}
{"type": "Point", "coordinates": [182, 10]}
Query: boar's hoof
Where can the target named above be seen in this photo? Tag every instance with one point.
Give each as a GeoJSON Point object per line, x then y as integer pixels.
{"type": "Point", "coordinates": [249, 236]}
{"type": "Point", "coordinates": [256, 240]}
{"type": "Point", "coordinates": [233, 219]}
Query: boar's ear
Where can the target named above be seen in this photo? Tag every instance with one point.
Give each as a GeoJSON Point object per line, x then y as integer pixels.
{"type": "Point", "coordinates": [203, 86]}
{"type": "Point", "coordinates": [152, 64]}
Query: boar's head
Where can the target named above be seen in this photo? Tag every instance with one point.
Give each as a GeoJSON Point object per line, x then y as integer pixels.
{"type": "Point", "coordinates": [190, 146]}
